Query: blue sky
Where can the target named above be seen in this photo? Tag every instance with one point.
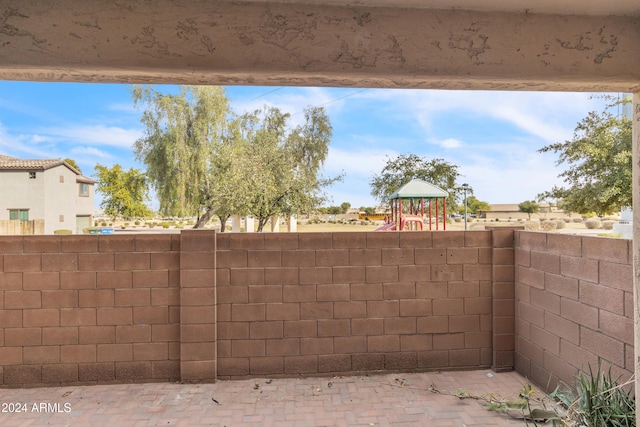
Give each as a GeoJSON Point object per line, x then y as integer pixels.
{"type": "Point", "coordinates": [492, 136]}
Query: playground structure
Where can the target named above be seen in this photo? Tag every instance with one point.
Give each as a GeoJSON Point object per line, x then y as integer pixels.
{"type": "Point", "coordinates": [410, 215]}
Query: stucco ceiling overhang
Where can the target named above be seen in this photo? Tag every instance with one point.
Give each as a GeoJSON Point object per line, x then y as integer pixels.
{"type": "Point", "coordinates": [575, 45]}
{"type": "Point", "coordinates": [559, 7]}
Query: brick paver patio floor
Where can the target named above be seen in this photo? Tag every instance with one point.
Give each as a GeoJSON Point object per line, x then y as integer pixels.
{"type": "Point", "coordinates": [380, 400]}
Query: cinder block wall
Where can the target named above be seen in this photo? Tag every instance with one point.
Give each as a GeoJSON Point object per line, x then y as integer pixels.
{"type": "Point", "coordinates": [574, 306]}
{"type": "Point", "coordinates": [318, 303]}
{"type": "Point", "coordinates": [89, 309]}
{"type": "Point", "coordinates": [200, 305]}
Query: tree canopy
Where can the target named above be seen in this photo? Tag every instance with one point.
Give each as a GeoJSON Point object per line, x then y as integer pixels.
{"type": "Point", "coordinates": [205, 160]}
{"type": "Point", "coordinates": [282, 166]}
{"type": "Point", "coordinates": [73, 164]}
{"type": "Point", "coordinates": [182, 134]}
{"type": "Point", "coordinates": [529, 207]}
{"type": "Point", "coordinates": [400, 170]}
{"type": "Point", "coordinates": [124, 192]}
{"type": "Point", "coordinates": [599, 174]}
{"type": "Point", "coordinates": [474, 205]}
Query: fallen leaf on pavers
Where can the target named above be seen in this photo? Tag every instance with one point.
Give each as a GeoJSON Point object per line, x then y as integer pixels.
{"type": "Point", "coordinates": [329, 384]}
{"type": "Point", "coordinates": [215, 401]}
{"type": "Point", "coordinates": [256, 386]}
{"type": "Point", "coordinates": [402, 381]}
{"type": "Point", "coordinates": [433, 388]}
{"type": "Point", "coordinates": [67, 394]}
{"type": "Point", "coordinates": [268, 381]}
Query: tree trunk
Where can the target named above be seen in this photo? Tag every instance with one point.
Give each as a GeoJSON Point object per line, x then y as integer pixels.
{"type": "Point", "coordinates": [261, 223]}
{"type": "Point", "coordinates": [223, 222]}
{"type": "Point", "coordinates": [202, 221]}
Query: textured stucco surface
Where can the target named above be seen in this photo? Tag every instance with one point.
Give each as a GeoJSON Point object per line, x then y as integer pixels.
{"type": "Point", "coordinates": [308, 43]}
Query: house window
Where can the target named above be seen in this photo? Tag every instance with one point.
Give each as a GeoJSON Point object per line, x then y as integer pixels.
{"type": "Point", "coordinates": [61, 179]}
{"type": "Point", "coordinates": [84, 189]}
{"type": "Point", "coordinates": [32, 175]}
{"type": "Point", "coordinates": [61, 218]}
{"type": "Point", "coordinates": [21, 214]}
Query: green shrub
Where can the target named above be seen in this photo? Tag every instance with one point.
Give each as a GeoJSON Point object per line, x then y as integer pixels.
{"type": "Point", "coordinates": [137, 223]}
{"type": "Point", "coordinates": [548, 225]}
{"type": "Point", "coordinates": [602, 401]}
{"type": "Point", "coordinates": [593, 223]}
{"type": "Point", "coordinates": [608, 225]}
{"type": "Point", "coordinates": [62, 231]}
{"type": "Point", "coordinates": [165, 224]}
{"type": "Point", "coordinates": [577, 220]}
{"type": "Point", "coordinates": [566, 220]}
{"type": "Point", "coordinates": [104, 224]}
{"type": "Point", "coordinates": [560, 224]}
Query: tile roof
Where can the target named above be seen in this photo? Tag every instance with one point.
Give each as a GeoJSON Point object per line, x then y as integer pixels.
{"type": "Point", "coordinates": [14, 163]}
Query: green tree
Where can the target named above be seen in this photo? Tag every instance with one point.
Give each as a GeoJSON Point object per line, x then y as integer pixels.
{"type": "Point", "coordinates": [73, 164]}
{"type": "Point", "coordinates": [334, 210]}
{"type": "Point", "coordinates": [344, 207]}
{"type": "Point", "coordinates": [281, 167]}
{"type": "Point", "coordinates": [474, 205]}
{"type": "Point", "coordinates": [599, 174]}
{"type": "Point", "coordinates": [529, 207]}
{"type": "Point", "coordinates": [183, 137]}
{"type": "Point", "coordinates": [402, 169]}
{"type": "Point", "coordinates": [123, 192]}
{"type": "Point", "coordinates": [370, 211]}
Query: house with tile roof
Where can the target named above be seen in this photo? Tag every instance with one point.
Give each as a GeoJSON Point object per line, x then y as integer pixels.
{"type": "Point", "coordinates": [49, 191]}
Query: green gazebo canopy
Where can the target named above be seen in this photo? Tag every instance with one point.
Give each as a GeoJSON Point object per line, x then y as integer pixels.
{"type": "Point", "coordinates": [417, 188]}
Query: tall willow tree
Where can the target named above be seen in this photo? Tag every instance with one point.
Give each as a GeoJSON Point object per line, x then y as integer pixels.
{"type": "Point", "coordinates": [183, 136]}
{"type": "Point", "coordinates": [204, 160]}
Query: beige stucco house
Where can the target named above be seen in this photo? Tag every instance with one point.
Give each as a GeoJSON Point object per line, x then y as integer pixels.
{"type": "Point", "coordinates": [49, 192]}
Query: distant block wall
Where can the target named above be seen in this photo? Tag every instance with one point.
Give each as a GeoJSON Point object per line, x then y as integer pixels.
{"type": "Point", "coordinates": [574, 306]}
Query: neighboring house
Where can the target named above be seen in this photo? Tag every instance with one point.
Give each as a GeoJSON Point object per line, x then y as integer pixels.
{"type": "Point", "coordinates": [51, 191]}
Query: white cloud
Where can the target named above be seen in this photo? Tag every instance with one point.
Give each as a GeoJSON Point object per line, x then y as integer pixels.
{"type": "Point", "coordinates": [293, 101]}
{"type": "Point", "coordinates": [362, 163]}
{"type": "Point", "coordinates": [90, 153]}
{"type": "Point", "coordinates": [98, 135]}
{"type": "Point", "coordinates": [21, 146]}
{"type": "Point", "coordinates": [123, 107]}
{"type": "Point", "coordinates": [549, 115]}
{"type": "Point", "coordinates": [447, 143]}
